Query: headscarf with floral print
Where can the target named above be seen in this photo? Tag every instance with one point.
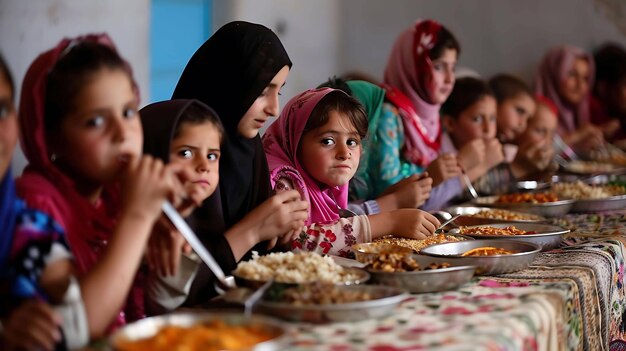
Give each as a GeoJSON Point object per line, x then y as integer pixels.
{"type": "Point", "coordinates": [409, 86]}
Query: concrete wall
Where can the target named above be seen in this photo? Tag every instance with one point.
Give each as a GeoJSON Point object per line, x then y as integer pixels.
{"type": "Point", "coordinates": [495, 35]}
{"type": "Point", "coordinates": [326, 37]}
{"type": "Point", "coordinates": [30, 27]}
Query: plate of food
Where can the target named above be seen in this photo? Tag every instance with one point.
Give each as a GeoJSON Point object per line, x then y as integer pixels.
{"type": "Point", "coordinates": [593, 197]}
{"type": "Point", "coordinates": [473, 215]}
{"type": "Point", "coordinates": [490, 256]}
{"type": "Point", "coordinates": [326, 303]}
{"type": "Point", "coordinates": [546, 204]}
{"type": "Point", "coordinates": [401, 269]}
{"type": "Point", "coordinates": [417, 244]}
{"type": "Point", "coordinates": [591, 167]}
{"type": "Point", "coordinates": [295, 268]}
{"type": "Point", "coordinates": [548, 237]}
{"type": "Point", "coordinates": [201, 332]}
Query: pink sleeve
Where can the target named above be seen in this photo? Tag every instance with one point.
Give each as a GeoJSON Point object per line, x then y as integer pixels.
{"type": "Point", "coordinates": [335, 237]}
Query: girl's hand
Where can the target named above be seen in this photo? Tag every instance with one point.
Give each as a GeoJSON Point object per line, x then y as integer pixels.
{"type": "Point", "coordinates": [413, 223]}
{"type": "Point", "coordinates": [494, 153]}
{"type": "Point", "coordinates": [410, 192]}
{"type": "Point", "coordinates": [147, 184]}
{"type": "Point", "coordinates": [165, 247]}
{"type": "Point", "coordinates": [534, 157]}
{"type": "Point", "coordinates": [278, 215]}
{"type": "Point", "coordinates": [472, 154]}
{"type": "Point", "coordinates": [442, 168]}
{"type": "Point", "coordinates": [585, 139]}
{"type": "Point", "coordinates": [32, 326]}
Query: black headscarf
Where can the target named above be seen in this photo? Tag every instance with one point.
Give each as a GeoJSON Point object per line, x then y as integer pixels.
{"type": "Point", "coordinates": [159, 122]}
{"type": "Point", "coordinates": [228, 72]}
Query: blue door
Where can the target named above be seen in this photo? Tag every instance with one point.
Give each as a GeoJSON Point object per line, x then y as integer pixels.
{"type": "Point", "coordinates": [178, 28]}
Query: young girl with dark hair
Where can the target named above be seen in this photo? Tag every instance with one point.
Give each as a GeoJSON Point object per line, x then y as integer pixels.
{"type": "Point", "coordinates": [315, 147]}
{"type": "Point", "coordinates": [516, 104]}
{"type": "Point", "coordinates": [418, 78]}
{"type": "Point", "coordinates": [82, 136]}
{"type": "Point", "coordinates": [239, 72]}
{"type": "Point", "coordinates": [189, 134]}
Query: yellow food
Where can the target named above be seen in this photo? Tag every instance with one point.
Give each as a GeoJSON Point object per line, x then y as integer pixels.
{"type": "Point", "coordinates": [487, 251]}
{"type": "Point", "coordinates": [510, 230]}
{"type": "Point", "coordinates": [212, 336]}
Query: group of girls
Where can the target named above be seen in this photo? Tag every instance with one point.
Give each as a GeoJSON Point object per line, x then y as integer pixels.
{"type": "Point", "coordinates": [85, 247]}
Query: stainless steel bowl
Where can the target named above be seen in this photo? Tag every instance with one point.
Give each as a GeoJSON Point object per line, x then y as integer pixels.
{"type": "Point", "coordinates": [548, 237]}
{"type": "Point", "coordinates": [547, 209]}
{"type": "Point", "coordinates": [387, 298]}
{"type": "Point", "coordinates": [360, 277]}
{"type": "Point", "coordinates": [486, 265]}
{"type": "Point", "coordinates": [596, 205]}
{"type": "Point", "coordinates": [467, 217]}
{"type": "Point", "coordinates": [148, 327]}
{"type": "Point", "coordinates": [426, 281]}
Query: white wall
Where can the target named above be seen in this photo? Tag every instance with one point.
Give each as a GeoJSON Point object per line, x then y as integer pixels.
{"type": "Point", "coordinates": [307, 29]}
{"type": "Point", "coordinates": [333, 37]}
{"type": "Point", "coordinates": [495, 35]}
{"type": "Point", "coordinates": [326, 37]}
{"type": "Point", "coordinates": [30, 27]}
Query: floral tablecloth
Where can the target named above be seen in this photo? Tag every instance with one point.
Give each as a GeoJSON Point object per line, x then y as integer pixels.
{"type": "Point", "coordinates": [572, 298]}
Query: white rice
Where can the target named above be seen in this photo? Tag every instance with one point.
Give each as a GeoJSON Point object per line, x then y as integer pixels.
{"type": "Point", "coordinates": [289, 267]}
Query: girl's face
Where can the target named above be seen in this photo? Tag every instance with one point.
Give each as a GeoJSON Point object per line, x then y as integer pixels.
{"type": "Point", "coordinates": [8, 125]}
{"type": "Point", "coordinates": [541, 126]}
{"type": "Point", "coordinates": [264, 107]}
{"type": "Point", "coordinates": [513, 114]}
{"type": "Point", "coordinates": [331, 153]}
{"type": "Point", "coordinates": [197, 147]}
{"type": "Point", "coordinates": [575, 85]}
{"type": "Point", "coordinates": [96, 141]}
{"type": "Point", "coordinates": [443, 76]}
{"type": "Point", "coordinates": [476, 121]}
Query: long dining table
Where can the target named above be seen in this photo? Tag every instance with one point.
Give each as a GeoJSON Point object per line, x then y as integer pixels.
{"type": "Point", "coordinates": [570, 298]}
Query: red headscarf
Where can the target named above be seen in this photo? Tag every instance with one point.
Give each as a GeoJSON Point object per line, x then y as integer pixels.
{"type": "Point", "coordinates": [553, 69]}
{"type": "Point", "coordinates": [44, 187]}
{"type": "Point", "coordinates": [409, 84]}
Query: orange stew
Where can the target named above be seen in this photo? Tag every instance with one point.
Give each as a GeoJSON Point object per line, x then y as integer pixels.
{"type": "Point", "coordinates": [211, 336]}
{"type": "Point", "coordinates": [537, 198]}
{"type": "Point", "coordinates": [487, 251]}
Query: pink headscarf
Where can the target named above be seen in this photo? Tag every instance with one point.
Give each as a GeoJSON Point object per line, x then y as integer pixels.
{"type": "Point", "coordinates": [281, 142]}
{"type": "Point", "coordinates": [553, 69]}
{"type": "Point", "coordinates": [409, 84]}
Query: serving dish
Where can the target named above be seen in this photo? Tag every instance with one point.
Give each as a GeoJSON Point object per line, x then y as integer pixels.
{"type": "Point", "coordinates": [546, 236]}
{"type": "Point", "coordinates": [424, 281]}
{"type": "Point", "coordinates": [151, 326]}
{"type": "Point", "coordinates": [386, 299]}
{"type": "Point", "coordinates": [354, 276]}
{"type": "Point", "coordinates": [470, 215]}
{"type": "Point", "coordinates": [486, 265]}
{"type": "Point", "coordinates": [546, 209]}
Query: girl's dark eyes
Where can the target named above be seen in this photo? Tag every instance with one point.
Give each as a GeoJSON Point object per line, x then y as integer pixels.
{"type": "Point", "coordinates": [353, 142]}
{"type": "Point", "coordinates": [96, 121]}
{"type": "Point", "coordinates": [130, 112]}
{"type": "Point", "coordinates": [186, 153]}
{"type": "Point", "coordinates": [213, 157]}
{"type": "Point", "coordinates": [6, 108]}
{"type": "Point", "coordinates": [327, 141]}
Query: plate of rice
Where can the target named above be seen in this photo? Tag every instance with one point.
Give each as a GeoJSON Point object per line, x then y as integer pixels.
{"type": "Point", "coordinates": [295, 268]}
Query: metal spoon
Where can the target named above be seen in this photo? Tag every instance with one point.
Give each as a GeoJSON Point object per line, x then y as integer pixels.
{"type": "Point", "coordinates": [197, 245]}
{"type": "Point", "coordinates": [469, 185]}
{"type": "Point", "coordinates": [444, 224]}
{"type": "Point", "coordinates": [251, 300]}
